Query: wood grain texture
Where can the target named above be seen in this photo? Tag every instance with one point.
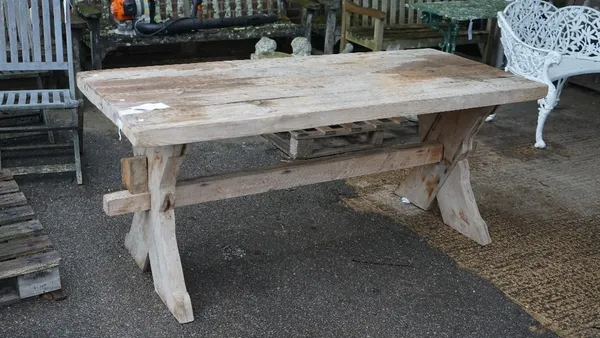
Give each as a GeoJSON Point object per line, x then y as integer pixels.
{"type": "Point", "coordinates": [134, 174]}
{"type": "Point", "coordinates": [365, 12]}
{"type": "Point", "coordinates": [219, 100]}
{"type": "Point", "coordinates": [29, 264]}
{"type": "Point", "coordinates": [136, 240]}
{"type": "Point", "coordinates": [156, 231]}
{"type": "Point", "coordinates": [455, 130]}
{"type": "Point", "coordinates": [24, 246]}
{"type": "Point", "coordinates": [458, 207]}
{"type": "Point", "coordinates": [282, 176]}
{"type": "Point", "coordinates": [21, 229]}
{"type": "Point", "coordinates": [39, 282]}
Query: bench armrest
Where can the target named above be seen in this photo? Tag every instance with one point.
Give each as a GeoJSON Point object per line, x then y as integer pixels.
{"type": "Point", "coordinates": [88, 11]}
{"type": "Point", "coordinates": [525, 60]}
{"type": "Point", "coordinates": [351, 7]}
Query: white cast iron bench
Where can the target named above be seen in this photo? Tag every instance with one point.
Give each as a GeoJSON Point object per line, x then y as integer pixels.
{"type": "Point", "coordinates": [546, 44]}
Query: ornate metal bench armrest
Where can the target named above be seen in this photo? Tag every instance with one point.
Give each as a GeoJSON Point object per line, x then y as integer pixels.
{"type": "Point", "coordinates": [528, 61]}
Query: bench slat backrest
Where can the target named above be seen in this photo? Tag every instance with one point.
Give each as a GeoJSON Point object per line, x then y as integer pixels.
{"type": "Point", "coordinates": [174, 9]}
{"type": "Point", "coordinates": [396, 10]}
{"type": "Point", "coordinates": [33, 38]}
{"type": "Point", "coordinates": [219, 8]}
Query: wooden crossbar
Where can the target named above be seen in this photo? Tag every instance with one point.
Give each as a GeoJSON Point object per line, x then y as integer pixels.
{"type": "Point", "coordinates": [282, 176]}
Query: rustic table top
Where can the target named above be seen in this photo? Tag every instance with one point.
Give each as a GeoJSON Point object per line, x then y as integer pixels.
{"type": "Point", "coordinates": [218, 100]}
{"type": "Point", "coordinates": [463, 10]}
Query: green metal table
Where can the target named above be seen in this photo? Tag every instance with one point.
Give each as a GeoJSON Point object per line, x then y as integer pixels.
{"type": "Point", "coordinates": [455, 12]}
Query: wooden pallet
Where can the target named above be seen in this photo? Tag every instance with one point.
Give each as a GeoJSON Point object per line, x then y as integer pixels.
{"type": "Point", "coordinates": [304, 143]}
{"type": "Point", "coordinates": [28, 263]}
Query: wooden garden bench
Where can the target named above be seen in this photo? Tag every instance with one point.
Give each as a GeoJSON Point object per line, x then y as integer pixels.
{"type": "Point", "coordinates": [103, 40]}
{"type": "Point", "coordinates": [379, 24]}
{"type": "Point", "coordinates": [34, 38]}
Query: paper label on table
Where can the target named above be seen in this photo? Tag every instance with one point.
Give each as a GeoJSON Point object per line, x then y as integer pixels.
{"type": "Point", "coordinates": [146, 107]}
{"type": "Point", "coordinates": [143, 108]}
{"type": "Point", "coordinates": [470, 31]}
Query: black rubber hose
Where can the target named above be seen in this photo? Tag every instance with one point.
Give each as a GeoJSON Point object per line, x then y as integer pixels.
{"type": "Point", "coordinates": [186, 25]}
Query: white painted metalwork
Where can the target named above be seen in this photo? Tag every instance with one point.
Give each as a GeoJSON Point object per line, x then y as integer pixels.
{"type": "Point", "coordinates": [547, 44]}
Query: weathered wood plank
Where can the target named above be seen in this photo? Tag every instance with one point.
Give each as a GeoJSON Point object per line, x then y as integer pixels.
{"type": "Point", "coordinates": [8, 293]}
{"type": "Point", "coordinates": [24, 246]}
{"type": "Point", "coordinates": [29, 264]}
{"type": "Point", "coordinates": [22, 98]}
{"type": "Point", "coordinates": [7, 187]}
{"type": "Point", "coordinates": [159, 232]}
{"type": "Point", "coordinates": [12, 34]}
{"type": "Point", "coordinates": [16, 214]}
{"type": "Point", "coordinates": [10, 98]}
{"type": "Point", "coordinates": [3, 34]}
{"type": "Point", "coordinates": [402, 12]}
{"type": "Point", "coordinates": [300, 148]}
{"type": "Point", "coordinates": [37, 283]}
{"type": "Point", "coordinates": [282, 176]}
{"type": "Point", "coordinates": [44, 169]}
{"type": "Point", "coordinates": [385, 8]}
{"type": "Point", "coordinates": [5, 175]}
{"type": "Point", "coordinates": [36, 34]}
{"type": "Point", "coordinates": [12, 200]}
{"type": "Point", "coordinates": [393, 14]}
{"type": "Point", "coordinates": [58, 34]}
{"type": "Point", "coordinates": [289, 93]}
{"type": "Point", "coordinates": [22, 229]}
{"type": "Point", "coordinates": [47, 31]}
{"type": "Point", "coordinates": [23, 26]}
{"type": "Point", "coordinates": [134, 174]}
{"type": "Point", "coordinates": [455, 130]}
{"type": "Point", "coordinates": [458, 206]}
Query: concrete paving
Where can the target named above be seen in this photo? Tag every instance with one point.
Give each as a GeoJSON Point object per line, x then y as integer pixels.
{"type": "Point", "coordinates": [293, 263]}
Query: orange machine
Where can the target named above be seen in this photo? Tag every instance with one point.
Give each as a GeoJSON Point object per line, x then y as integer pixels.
{"type": "Point", "coordinates": [127, 12]}
{"type": "Point", "coordinates": [123, 10]}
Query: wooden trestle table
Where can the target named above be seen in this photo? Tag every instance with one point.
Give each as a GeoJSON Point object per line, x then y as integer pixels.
{"type": "Point", "coordinates": [162, 109]}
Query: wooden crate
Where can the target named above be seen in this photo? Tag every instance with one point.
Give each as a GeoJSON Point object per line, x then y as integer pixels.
{"type": "Point", "coordinates": [28, 263]}
{"type": "Point", "coordinates": [317, 142]}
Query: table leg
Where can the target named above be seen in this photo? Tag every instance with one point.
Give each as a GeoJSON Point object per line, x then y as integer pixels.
{"type": "Point", "coordinates": [448, 180]}
{"type": "Point", "coordinates": [135, 240]}
{"type": "Point", "coordinates": [152, 234]}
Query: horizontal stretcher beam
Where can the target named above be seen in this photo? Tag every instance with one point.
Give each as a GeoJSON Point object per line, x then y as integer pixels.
{"type": "Point", "coordinates": [282, 176]}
